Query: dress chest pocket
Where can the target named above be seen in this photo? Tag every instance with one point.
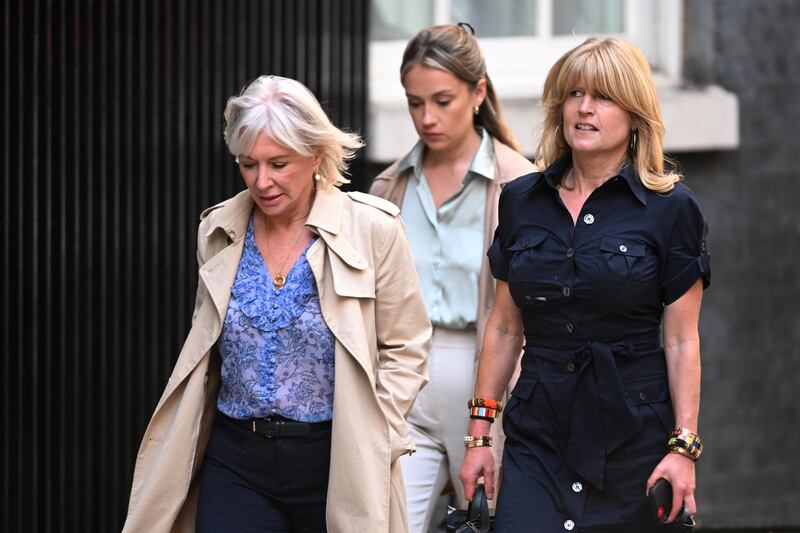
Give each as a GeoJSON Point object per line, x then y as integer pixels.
{"type": "Point", "coordinates": [531, 256]}
{"type": "Point", "coordinates": [622, 261]}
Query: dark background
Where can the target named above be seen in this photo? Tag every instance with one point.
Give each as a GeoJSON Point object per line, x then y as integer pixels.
{"type": "Point", "coordinates": [112, 145]}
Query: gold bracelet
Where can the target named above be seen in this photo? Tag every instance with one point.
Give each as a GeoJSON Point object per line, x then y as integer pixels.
{"type": "Point", "coordinates": [477, 441]}
{"type": "Point", "coordinates": [683, 452]}
{"type": "Point", "coordinates": [686, 440]}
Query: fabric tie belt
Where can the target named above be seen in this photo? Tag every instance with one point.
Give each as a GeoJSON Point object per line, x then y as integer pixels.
{"type": "Point", "coordinates": [278, 427]}
{"type": "Point", "coordinates": [601, 417]}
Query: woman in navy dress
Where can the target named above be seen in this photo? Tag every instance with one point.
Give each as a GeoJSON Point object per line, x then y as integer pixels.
{"type": "Point", "coordinates": [595, 257]}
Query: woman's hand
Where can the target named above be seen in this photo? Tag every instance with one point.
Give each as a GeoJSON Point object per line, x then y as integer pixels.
{"type": "Point", "coordinates": [679, 471]}
{"type": "Point", "coordinates": [477, 462]}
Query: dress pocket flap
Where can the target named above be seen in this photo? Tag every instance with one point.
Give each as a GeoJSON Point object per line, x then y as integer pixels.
{"type": "Point", "coordinates": [531, 239]}
{"type": "Point", "coordinates": [653, 390]}
{"type": "Point", "coordinates": [618, 245]}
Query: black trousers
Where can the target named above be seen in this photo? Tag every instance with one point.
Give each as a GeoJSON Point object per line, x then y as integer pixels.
{"type": "Point", "coordinates": [251, 483]}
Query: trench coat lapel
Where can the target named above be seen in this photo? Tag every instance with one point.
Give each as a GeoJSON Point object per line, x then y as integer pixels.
{"type": "Point", "coordinates": [224, 243]}
{"type": "Point", "coordinates": [348, 279]}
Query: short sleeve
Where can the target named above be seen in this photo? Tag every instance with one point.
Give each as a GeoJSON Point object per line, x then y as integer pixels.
{"type": "Point", "coordinates": [688, 258]}
{"type": "Point", "coordinates": [498, 256]}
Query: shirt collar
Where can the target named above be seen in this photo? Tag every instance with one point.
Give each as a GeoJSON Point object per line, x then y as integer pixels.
{"type": "Point", "coordinates": [555, 171]}
{"type": "Point", "coordinates": [482, 164]}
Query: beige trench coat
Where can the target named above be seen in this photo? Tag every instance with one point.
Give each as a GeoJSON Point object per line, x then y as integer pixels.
{"type": "Point", "coordinates": [508, 165]}
{"type": "Point", "coordinates": [370, 299]}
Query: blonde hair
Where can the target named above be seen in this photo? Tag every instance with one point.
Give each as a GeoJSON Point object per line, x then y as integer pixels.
{"type": "Point", "coordinates": [617, 69]}
{"type": "Point", "coordinates": [290, 114]}
{"type": "Point", "coordinates": [453, 49]}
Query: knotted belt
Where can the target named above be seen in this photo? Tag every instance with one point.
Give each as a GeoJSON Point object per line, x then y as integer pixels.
{"type": "Point", "coordinates": [601, 417]}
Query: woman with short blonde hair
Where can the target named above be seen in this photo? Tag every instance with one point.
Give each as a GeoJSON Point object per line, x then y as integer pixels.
{"type": "Point", "coordinates": [286, 410]}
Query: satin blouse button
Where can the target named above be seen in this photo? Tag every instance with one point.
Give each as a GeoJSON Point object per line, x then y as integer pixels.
{"type": "Point", "coordinates": [569, 525]}
{"type": "Point", "coordinates": [577, 487]}
{"type": "Point", "coordinates": [588, 219]}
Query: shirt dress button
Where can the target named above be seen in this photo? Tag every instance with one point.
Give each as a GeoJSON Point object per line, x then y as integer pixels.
{"type": "Point", "coordinates": [588, 219]}
{"type": "Point", "coordinates": [642, 396]}
{"type": "Point", "coordinates": [570, 252]}
{"type": "Point", "coordinates": [566, 291]}
{"type": "Point", "coordinates": [570, 367]}
{"type": "Point", "coordinates": [577, 487]}
{"type": "Point", "coordinates": [570, 327]}
{"type": "Point", "coordinates": [623, 248]}
{"type": "Point", "coordinates": [569, 525]}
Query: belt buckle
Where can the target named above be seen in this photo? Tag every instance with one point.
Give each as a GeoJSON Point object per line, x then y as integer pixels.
{"type": "Point", "coordinates": [268, 432]}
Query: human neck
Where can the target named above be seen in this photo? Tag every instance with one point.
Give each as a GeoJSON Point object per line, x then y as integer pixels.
{"type": "Point", "coordinates": [284, 222]}
{"type": "Point", "coordinates": [589, 173]}
{"type": "Point", "coordinates": [464, 151]}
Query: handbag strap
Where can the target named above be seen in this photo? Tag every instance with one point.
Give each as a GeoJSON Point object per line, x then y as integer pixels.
{"type": "Point", "coordinates": [478, 511]}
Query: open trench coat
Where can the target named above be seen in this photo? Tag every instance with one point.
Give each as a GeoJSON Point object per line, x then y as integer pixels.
{"type": "Point", "coordinates": [370, 299]}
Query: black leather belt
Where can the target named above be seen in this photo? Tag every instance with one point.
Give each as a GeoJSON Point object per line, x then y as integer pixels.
{"type": "Point", "coordinates": [278, 426]}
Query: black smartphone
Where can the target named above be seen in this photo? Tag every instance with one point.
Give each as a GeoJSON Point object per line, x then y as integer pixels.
{"type": "Point", "coordinates": [661, 504]}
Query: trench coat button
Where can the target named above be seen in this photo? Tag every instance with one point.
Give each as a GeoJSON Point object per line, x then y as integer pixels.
{"type": "Point", "coordinates": [569, 525]}
{"type": "Point", "coordinates": [588, 219]}
{"type": "Point", "coordinates": [566, 291]}
{"type": "Point", "coordinates": [623, 248]}
{"type": "Point", "coordinates": [570, 367]}
{"type": "Point", "coordinates": [642, 396]}
{"type": "Point", "coordinates": [570, 327]}
{"type": "Point", "coordinates": [570, 252]}
{"type": "Point", "coordinates": [577, 487]}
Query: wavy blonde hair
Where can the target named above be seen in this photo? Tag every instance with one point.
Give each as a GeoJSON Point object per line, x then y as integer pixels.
{"type": "Point", "coordinates": [615, 68]}
{"type": "Point", "coordinates": [290, 114]}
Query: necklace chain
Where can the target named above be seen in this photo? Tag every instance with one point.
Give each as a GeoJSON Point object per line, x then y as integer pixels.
{"type": "Point", "coordinates": [279, 280]}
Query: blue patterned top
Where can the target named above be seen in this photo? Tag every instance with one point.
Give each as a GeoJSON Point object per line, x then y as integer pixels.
{"type": "Point", "coordinates": [277, 352]}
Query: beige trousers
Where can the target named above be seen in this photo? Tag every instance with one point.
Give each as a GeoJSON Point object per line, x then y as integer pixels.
{"type": "Point", "coordinates": [438, 423]}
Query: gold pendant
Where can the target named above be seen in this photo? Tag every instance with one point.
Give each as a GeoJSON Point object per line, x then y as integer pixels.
{"type": "Point", "coordinates": [278, 280]}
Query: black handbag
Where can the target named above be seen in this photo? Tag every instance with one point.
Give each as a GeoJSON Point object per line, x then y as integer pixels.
{"type": "Point", "coordinates": [475, 519]}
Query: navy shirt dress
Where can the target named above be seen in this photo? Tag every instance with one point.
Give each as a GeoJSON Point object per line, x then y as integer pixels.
{"type": "Point", "coordinates": [590, 416]}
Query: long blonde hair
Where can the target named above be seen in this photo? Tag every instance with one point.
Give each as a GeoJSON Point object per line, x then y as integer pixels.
{"type": "Point", "coordinates": [453, 49]}
{"type": "Point", "coordinates": [617, 69]}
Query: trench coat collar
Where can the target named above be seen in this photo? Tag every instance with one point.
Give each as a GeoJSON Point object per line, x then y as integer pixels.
{"type": "Point", "coordinates": [231, 216]}
{"type": "Point", "coordinates": [325, 219]}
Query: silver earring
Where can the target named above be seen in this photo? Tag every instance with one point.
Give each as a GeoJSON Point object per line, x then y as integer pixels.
{"type": "Point", "coordinates": [317, 177]}
{"type": "Point", "coordinates": [476, 110]}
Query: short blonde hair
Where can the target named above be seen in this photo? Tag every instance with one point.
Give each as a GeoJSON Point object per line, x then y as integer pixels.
{"type": "Point", "coordinates": [615, 68]}
{"type": "Point", "coordinates": [290, 114]}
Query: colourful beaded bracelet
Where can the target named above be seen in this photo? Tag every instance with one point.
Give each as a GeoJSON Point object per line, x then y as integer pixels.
{"type": "Point", "coordinates": [483, 413]}
{"type": "Point", "coordinates": [686, 443]}
{"type": "Point", "coordinates": [485, 402]}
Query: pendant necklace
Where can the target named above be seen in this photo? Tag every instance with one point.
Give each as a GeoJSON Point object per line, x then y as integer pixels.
{"type": "Point", "coordinates": [279, 280]}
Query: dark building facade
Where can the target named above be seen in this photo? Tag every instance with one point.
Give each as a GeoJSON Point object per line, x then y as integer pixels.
{"type": "Point", "coordinates": [111, 145]}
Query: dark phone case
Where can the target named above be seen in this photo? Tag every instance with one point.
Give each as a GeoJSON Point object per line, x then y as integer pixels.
{"type": "Point", "coordinates": [660, 496]}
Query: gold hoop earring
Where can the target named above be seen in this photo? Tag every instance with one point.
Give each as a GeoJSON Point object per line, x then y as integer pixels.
{"type": "Point", "coordinates": [632, 144]}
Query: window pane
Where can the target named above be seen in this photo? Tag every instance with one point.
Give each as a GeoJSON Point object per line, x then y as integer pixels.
{"type": "Point", "coordinates": [497, 18]}
{"type": "Point", "coordinates": [393, 20]}
{"type": "Point", "coordinates": [585, 17]}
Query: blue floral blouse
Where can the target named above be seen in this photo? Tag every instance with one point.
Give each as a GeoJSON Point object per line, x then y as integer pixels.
{"type": "Point", "coordinates": [277, 352]}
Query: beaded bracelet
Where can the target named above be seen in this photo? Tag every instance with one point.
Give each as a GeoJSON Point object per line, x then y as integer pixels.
{"type": "Point", "coordinates": [686, 443]}
{"type": "Point", "coordinates": [485, 402]}
{"type": "Point", "coordinates": [484, 408]}
{"type": "Point", "coordinates": [477, 441]}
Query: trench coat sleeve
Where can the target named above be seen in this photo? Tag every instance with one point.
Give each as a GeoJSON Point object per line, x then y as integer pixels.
{"type": "Point", "coordinates": [403, 334]}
